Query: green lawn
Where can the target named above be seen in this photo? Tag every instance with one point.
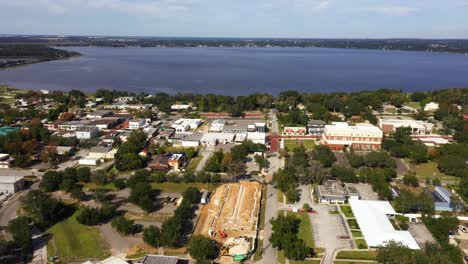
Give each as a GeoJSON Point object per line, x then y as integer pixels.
{"type": "Point", "coordinates": [361, 243]}
{"type": "Point", "coordinates": [361, 255]}
{"type": "Point", "coordinates": [356, 233]}
{"type": "Point", "coordinates": [76, 241]}
{"type": "Point", "coordinates": [280, 197]}
{"type": "Point", "coordinates": [193, 164]}
{"type": "Point", "coordinates": [291, 144]}
{"type": "Point", "coordinates": [93, 186]}
{"type": "Point", "coordinates": [353, 224]}
{"type": "Point", "coordinates": [351, 262]}
{"type": "Point", "coordinates": [346, 209]}
{"type": "Point", "coordinates": [280, 256]}
{"type": "Point", "coordinates": [307, 261]}
{"type": "Point", "coordinates": [430, 170]}
{"type": "Point", "coordinates": [305, 229]}
{"type": "Point", "coordinates": [174, 187]}
{"type": "Point", "coordinates": [414, 105]}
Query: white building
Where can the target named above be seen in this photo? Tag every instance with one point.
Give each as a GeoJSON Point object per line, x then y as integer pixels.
{"type": "Point", "coordinates": [176, 107]}
{"type": "Point", "coordinates": [217, 125]}
{"type": "Point", "coordinates": [362, 136]}
{"type": "Point", "coordinates": [89, 161]}
{"type": "Point", "coordinates": [295, 131]}
{"type": "Point", "coordinates": [136, 123]}
{"type": "Point", "coordinates": [257, 137]}
{"type": "Point", "coordinates": [99, 114]}
{"type": "Point", "coordinates": [6, 161]}
{"type": "Point", "coordinates": [102, 152]}
{"type": "Point", "coordinates": [186, 124]}
{"type": "Point", "coordinates": [418, 127]}
{"type": "Point", "coordinates": [373, 219]}
{"type": "Point", "coordinates": [87, 132]}
{"type": "Point", "coordinates": [212, 139]}
{"type": "Point", "coordinates": [11, 184]}
{"type": "Point", "coordinates": [432, 106]}
{"type": "Point", "coordinates": [72, 125]}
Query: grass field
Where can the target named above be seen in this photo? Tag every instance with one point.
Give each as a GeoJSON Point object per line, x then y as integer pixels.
{"type": "Point", "coordinates": [291, 144]}
{"type": "Point", "coordinates": [361, 255]}
{"type": "Point", "coordinates": [346, 209]}
{"type": "Point", "coordinates": [430, 170]}
{"type": "Point", "coordinates": [307, 261]}
{"type": "Point", "coordinates": [192, 166]}
{"type": "Point", "coordinates": [93, 186]}
{"type": "Point", "coordinates": [414, 105]}
{"type": "Point", "coordinates": [305, 229]}
{"type": "Point", "coordinates": [356, 233]}
{"type": "Point", "coordinates": [174, 187]}
{"type": "Point", "coordinates": [280, 197]}
{"type": "Point", "coordinates": [353, 224]}
{"type": "Point", "coordinates": [361, 243]}
{"type": "Point", "coordinates": [352, 262]}
{"type": "Point", "coordinates": [76, 241]}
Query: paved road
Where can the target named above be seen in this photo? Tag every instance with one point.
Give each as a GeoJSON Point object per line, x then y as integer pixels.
{"type": "Point", "coordinates": [269, 253]}
{"type": "Point", "coordinates": [206, 154]}
{"type": "Point", "coordinates": [274, 122]}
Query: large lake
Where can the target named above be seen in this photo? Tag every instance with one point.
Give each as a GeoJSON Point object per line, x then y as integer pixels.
{"type": "Point", "coordinates": [238, 71]}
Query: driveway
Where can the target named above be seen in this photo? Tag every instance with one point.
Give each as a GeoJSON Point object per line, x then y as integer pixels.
{"type": "Point", "coordinates": [206, 154]}
{"type": "Point", "coordinates": [326, 229]}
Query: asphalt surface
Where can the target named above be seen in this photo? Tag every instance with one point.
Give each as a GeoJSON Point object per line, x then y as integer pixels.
{"type": "Point", "coordinates": [271, 210]}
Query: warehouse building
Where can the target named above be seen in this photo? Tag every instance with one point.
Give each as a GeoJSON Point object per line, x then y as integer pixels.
{"type": "Point", "coordinates": [11, 184]}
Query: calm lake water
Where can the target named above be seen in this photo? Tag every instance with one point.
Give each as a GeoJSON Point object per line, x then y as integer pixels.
{"type": "Point", "coordinates": [238, 71]}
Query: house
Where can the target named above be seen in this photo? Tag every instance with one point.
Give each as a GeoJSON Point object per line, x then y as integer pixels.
{"type": "Point", "coordinates": [315, 127]}
{"type": "Point", "coordinates": [177, 161]}
{"type": "Point", "coordinates": [430, 107]}
{"type": "Point", "coordinates": [342, 136]}
{"type": "Point", "coordinates": [294, 131]}
{"type": "Point", "coordinates": [443, 199]}
{"type": "Point", "coordinates": [87, 132]}
{"type": "Point", "coordinates": [161, 259]}
{"type": "Point", "coordinates": [330, 192]}
{"type": "Point", "coordinates": [160, 162]}
{"type": "Point", "coordinates": [11, 184]}
{"type": "Point", "coordinates": [6, 161]}
{"type": "Point", "coordinates": [417, 127]}
{"type": "Point", "coordinates": [136, 123]}
{"type": "Point", "coordinates": [53, 126]}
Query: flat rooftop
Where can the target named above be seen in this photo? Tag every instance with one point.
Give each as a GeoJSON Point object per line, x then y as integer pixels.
{"type": "Point", "coordinates": [372, 217]}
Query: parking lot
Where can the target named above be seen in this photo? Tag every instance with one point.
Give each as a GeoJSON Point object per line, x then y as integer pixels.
{"type": "Point", "coordinates": [327, 229]}
{"type": "Point", "coordinates": [420, 233]}
{"type": "Point", "coordinates": [365, 191]}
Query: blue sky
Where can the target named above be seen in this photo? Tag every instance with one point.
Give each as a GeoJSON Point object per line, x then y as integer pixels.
{"type": "Point", "coordinates": [238, 18]}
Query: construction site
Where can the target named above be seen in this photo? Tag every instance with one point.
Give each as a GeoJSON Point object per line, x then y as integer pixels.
{"type": "Point", "coordinates": [231, 218]}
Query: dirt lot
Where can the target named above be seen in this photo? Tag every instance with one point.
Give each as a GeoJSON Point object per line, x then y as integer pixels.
{"type": "Point", "coordinates": [233, 209]}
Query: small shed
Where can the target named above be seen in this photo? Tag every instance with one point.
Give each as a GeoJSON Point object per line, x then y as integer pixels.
{"type": "Point", "coordinates": [205, 197]}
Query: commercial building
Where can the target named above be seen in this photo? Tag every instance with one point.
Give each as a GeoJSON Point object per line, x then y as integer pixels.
{"type": "Point", "coordinates": [87, 132]}
{"type": "Point", "coordinates": [330, 192]}
{"type": "Point", "coordinates": [72, 125]}
{"type": "Point", "coordinates": [315, 127]}
{"type": "Point", "coordinates": [217, 125]}
{"type": "Point", "coordinates": [417, 127]}
{"type": "Point", "coordinates": [342, 136]}
{"type": "Point", "coordinates": [89, 161]}
{"type": "Point", "coordinates": [185, 124]}
{"type": "Point", "coordinates": [443, 199]}
{"type": "Point", "coordinates": [177, 107]}
{"type": "Point", "coordinates": [295, 131]}
{"type": "Point", "coordinates": [431, 107]}
{"type": "Point", "coordinates": [6, 161]}
{"type": "Point", "coordinates": [136, 123]}
{"type": "Point", "coordinates": [99, 114]}
{"type": "Point", "coordinates": [102, 152]}
{"type": "Point", "coordinates": [256, 137]}
{"type": "Point", "coordinates": [11, 184]}
{"type": "Point", "coordinates": [433, 140]}
{"type": "Point", "coordinates": [213, 139]}
{"type": "Point", "coordinates": [192, 140]}
{"type": "Point", "coordinates": [104, 123]}
{"type": "Point", "coordinates": [373, 220]}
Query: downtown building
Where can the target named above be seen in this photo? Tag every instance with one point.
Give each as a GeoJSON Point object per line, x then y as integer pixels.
{"type": "Point", "coordinates": [341, 136]}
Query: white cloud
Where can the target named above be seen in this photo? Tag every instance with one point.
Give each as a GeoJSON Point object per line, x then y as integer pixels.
{"type": "Point", "coordinates": [394, 11]}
